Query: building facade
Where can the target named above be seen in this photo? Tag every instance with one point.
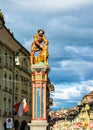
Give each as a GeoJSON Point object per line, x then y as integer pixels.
{"type": "Point", "coordinates": [15, 79]}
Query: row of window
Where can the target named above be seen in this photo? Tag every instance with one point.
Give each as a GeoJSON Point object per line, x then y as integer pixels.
{"type": "Point", "coordinates": [7, 104]}
{"type": "Point", "coordinates": [7, 60]}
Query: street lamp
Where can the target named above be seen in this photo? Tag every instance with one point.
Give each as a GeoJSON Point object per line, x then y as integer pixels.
{"type": "Point", "coordinates": [17, 59]}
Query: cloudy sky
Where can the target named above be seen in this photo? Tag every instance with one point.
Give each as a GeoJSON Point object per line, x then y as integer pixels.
{"type": "Point", "coordinates": [69, 28]}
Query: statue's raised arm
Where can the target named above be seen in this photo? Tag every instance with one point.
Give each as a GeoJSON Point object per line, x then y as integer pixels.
{"type": "Point", "coordinates": [37, 45]}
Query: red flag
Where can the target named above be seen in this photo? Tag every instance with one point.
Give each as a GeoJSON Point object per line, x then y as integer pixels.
{"type": "Point", "coordinates": [21, 107]}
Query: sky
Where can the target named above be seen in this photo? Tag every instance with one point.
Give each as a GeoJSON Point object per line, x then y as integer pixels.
{"type": "Point", "coordinates": [68, 26]}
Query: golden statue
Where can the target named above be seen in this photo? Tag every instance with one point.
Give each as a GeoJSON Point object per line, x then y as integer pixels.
{"type": "Point", "coordinates": [39, 38]}
{"type": "Point", "coordinates": [43, 56]}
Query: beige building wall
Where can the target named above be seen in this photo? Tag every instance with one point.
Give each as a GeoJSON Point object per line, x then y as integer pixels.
{"type": "Point", "coordinates": [15, 81]}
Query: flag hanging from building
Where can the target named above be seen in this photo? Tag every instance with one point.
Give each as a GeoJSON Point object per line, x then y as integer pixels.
{"type": "Point", "coordinates": [21, 107]}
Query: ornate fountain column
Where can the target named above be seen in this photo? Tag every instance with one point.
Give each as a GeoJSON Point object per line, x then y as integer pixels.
{"type": "Point", "coordinates": [39, 78]}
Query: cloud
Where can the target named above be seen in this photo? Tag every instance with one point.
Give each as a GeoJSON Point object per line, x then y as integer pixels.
{"type": "Point", "coordinates": [27, 44]}
{"type": "Point", "coordinates": [54, 5]}
{"type": "Point", "coordinates": [71, 93]}
{"type": "Point", "coordinates": [71, 70]}
{"type": "Point", "coordinates": [8, 19]}
{"type": "Point", "coordinates": [34, 6]}
{"type": "Point", "coordinates": [65, 93]}
{"type": "Point", "coordinates": [79, 50]}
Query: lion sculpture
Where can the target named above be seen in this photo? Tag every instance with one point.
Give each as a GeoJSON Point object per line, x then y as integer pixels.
{"type": "Point", "coordinates": [43, 56]}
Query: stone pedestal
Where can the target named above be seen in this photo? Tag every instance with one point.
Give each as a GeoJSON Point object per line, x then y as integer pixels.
{"type": "Point", "coordinates": [38, 125]}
